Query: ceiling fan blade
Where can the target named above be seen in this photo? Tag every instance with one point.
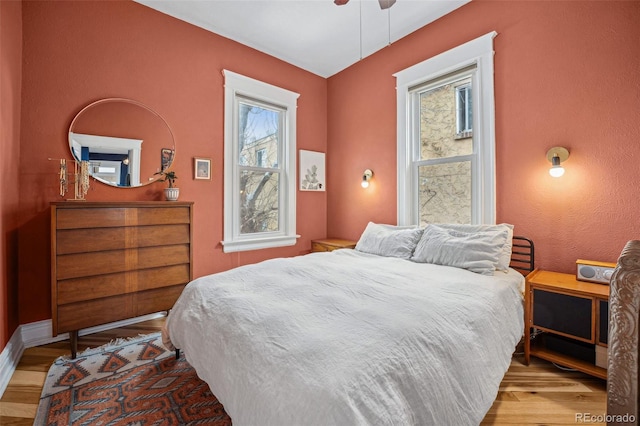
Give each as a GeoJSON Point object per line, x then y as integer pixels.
{"type": "Point", "coordinates": [384, 4]}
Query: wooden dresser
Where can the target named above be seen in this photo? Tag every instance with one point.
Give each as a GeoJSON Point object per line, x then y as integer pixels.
{"type": "Point", "coordinates": [112, 261]}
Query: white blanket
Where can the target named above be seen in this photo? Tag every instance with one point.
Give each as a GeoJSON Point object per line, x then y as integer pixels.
{"type": "Point", "coordinates": [346, 338]}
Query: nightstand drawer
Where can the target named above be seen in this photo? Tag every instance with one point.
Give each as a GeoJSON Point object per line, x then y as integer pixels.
{"type": "Point", "coordinates": [331, 244]}
{"type": "Point", "coordinates": [316, 247]}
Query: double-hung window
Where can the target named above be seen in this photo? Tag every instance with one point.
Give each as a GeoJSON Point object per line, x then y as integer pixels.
{"type": "Point", "coordinates": [259, 181]}
{"type": "Point", "coordinates": [446, 137]}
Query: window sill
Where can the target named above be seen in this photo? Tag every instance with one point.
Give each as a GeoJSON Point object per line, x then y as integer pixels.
{"type": "Point", "coordinates": [258, 244]}
{"type": "Point", "coordinates": [463, 135]}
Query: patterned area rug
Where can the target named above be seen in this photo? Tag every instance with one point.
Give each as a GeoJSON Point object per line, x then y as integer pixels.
{"type": "Point", "coordinates": [133, 382]}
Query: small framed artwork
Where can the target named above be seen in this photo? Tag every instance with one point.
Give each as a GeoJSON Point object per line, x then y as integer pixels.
{"type": "Point", "coordinates": [201, 168]}
{"type": "Point", "coordinates": [312, 171]}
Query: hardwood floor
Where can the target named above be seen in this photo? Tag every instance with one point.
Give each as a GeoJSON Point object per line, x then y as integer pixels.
{"type": "Point", "coordinates": [542, 394]}
{"type": "Point", "coordinates": [539, 394]}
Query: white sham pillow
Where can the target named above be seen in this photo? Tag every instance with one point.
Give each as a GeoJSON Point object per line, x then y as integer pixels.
{"type": "Point", "coordinates": [505, 256]}
{"type": "Point", "coordinates": [475, 251]}
{"type": "Point", "coordinates": [389, 240]}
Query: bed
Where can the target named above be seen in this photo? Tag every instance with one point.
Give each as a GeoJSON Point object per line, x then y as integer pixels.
{"type": "Point", "coordinates": [374, 335]}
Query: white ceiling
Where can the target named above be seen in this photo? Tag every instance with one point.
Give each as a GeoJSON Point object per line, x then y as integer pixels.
{"type": "Point", "coordinates": [315, 35]}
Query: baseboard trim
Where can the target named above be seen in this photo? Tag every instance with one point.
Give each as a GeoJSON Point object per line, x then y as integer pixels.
{"type": "Point", "coordinates": [9, 358]}
{"type": "Point", "coordinates": [40, 333]}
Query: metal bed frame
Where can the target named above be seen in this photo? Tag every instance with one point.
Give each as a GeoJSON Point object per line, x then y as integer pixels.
{"type": "Point", "coordinates": [522, 255]}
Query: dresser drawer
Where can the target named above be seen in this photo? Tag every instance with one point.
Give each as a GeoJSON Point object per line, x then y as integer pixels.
{"type": "Point", "coordinates": [90, 218]}
{"type": "Point", "coordinates": [75, 316]}
{"type": "Point", "coordinates": [101, 239]}
{"type": "Point", "coordinates": [162, 299]}
{"type": "Point", "coordinates": [163, 216]}
{"type": "Point", "coordinates": [120, 216]}
{"type": "Point", "coordinates": [88, 288]}
{"type": "Point", "coordinates": [112, 261]}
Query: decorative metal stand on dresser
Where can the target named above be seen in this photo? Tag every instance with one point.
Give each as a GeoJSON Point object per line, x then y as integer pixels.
{"type": "Point", "coordinates": [112, 261]}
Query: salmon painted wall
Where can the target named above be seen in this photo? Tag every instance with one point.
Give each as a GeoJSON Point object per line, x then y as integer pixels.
{"type": "Point", "coordinates": [10, 83]}
{"type": "Point", "coordinates": [566, 73]}
{"type": "Point", "coordinates": [78, 52]}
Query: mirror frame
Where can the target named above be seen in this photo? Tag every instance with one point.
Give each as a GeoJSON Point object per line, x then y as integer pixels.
{"type": "Point", "coordinates": [152, 178]}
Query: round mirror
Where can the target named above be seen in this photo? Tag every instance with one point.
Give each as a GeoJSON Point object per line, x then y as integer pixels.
{"type": "Point", "coordinates": [125, 142]}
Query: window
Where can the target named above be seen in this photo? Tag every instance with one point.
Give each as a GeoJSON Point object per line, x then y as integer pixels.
{"type": "Point", "coordinates": [261, 157]}
{"type": "Point", "coordinates": [259, 181]}
{"type": "Point", "coordinates": [446, 171]}
{"type": "Point", "coordinates": [464, 111]}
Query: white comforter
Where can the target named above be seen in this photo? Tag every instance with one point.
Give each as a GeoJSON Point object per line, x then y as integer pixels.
{"type": "Point", "coordinates": [346, 338]}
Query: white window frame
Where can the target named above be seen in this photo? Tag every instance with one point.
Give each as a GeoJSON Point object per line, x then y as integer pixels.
{"type": "Point", "coordinates": [478, 52]}
{"type": "Point", "coordinates": [235, 86]}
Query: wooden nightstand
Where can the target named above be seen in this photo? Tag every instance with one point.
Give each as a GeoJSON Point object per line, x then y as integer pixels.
{"type": "Point", "coordinates": [331, 244]}
{"type": "Point", "coordinates": [569, 319]}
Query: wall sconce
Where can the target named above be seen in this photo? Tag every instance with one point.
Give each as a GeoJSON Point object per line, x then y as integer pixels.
{"type": "Point", "coordinates": [366, 177]}
{"type": "Point", "coordinates": [557, 155]}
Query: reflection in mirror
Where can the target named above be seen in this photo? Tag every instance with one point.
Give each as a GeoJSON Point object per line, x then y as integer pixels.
{"type": "Point", "coordinates": [125, 142]}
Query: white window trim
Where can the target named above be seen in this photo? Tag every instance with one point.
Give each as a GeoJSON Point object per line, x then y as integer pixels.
{"type": "Point", "coordinates": [479, 52]}
{"type": "Point", "coordinates": [236, 84]}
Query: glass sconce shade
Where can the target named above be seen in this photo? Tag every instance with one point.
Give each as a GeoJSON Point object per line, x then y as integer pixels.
{"type": "Point", "coordinates": [366, 177]}
{"type": "Point", "coordinates": [556, 156]}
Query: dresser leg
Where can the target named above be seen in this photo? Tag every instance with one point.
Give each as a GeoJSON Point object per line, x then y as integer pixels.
{"type": "Point", "coordinates": [177, 353]}
{"type": "Point", "coordinates": [73, 339]}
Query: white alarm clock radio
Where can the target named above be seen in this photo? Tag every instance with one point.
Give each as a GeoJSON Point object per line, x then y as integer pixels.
{"type": "Point", "coordinates": [594, 271]}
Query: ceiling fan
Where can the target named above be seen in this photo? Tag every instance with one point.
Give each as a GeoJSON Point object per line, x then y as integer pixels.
{"type": "Point", "coordinates": [384, 4]}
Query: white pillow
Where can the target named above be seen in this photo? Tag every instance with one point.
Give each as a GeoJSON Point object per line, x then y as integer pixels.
{"type": "Point", "coordinates": [476, 251]}
{"type": "Point", "coordinates": [389, 240]}
{"type": "Point", "coordinates": [505, 256]}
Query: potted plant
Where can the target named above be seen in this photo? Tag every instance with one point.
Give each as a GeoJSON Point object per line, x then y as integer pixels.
{"type": "Point", "coordinates": [171, 193]}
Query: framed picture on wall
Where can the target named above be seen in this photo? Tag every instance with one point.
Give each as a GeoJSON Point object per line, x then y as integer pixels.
{"type": "Point", "coordinates": [312, 171]}
{"type": "Point", "coordinates": [201, 168]}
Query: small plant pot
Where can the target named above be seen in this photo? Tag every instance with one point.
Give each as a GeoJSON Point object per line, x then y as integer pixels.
{"type": "Point", "coordinates": [171, 194]}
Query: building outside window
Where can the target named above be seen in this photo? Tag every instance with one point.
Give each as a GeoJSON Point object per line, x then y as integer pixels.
{"type": "Point", "coordinates": [464, 111]}
{"type": "Point", "coordinates": [261, 156]}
